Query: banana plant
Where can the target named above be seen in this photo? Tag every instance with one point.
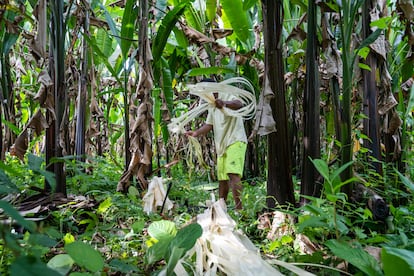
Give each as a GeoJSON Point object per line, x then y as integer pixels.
{"type": "Point", "coordinates": [311, 108]}
{"type": "Point", "coordinates": [279, 182]}
{"type": "Point", "coordinates": [348, 13]}
{"type": "Point", "coordinates": [10, 25]}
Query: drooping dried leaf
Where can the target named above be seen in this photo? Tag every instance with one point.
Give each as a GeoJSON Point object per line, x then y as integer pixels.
{"type": "Point", "coordinates": [38, 122]}
{"type": "Point", "coordinates": [19, 147]}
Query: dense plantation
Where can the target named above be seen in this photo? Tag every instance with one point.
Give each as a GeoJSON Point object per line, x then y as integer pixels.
{"type": "Point", "coordinates": [98, 178]}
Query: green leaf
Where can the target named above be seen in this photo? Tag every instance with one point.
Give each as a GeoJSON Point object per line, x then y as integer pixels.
{"type": "Point", "coordinates": [322, 168]}
{"type": "Point", "coordinates": [41, 239]}
{"type": "Point", "coordinates": [104, 205]}
{"type": "Point", "coordinates": [158, 250]}
{"type": "Point", "coordinates": [30, 265]}
{"type": "Point", "coordinates": [312, 222]}
{"type": "Point", "coordinates": [239, 21]}
{"type": "Point", "coordinates": [162, 229]}
{"type": "Point", "coordinates": [397, 261]}
{"type": "Point", "coordinates": [61, 263]}
{"type": "Point", "coordinates": [382, 22]}
{"type": "Point", "coordinates": [111, 24]}
{"type": "Point", "coordinates": [8, 209]}
{"type": "Point", "coordinates": [187, 236]}
{"type": "Point", "coordinates": [85, 256]}
{"type": "Point", "coordinates": [364, 66]}
{"type": "Point", "coordinates": [211, 8]}
{"type": "Point", "coordinates": [370, 39]}
{"type": "Point", "coordinates": [165, 28]}
{"type": "Point", "coordinates": [338, 171]}
{"type": "Point", "coordinates": [138, 226]}
{"type": "Point", "coordinates": [104, 42]}
{"type": "Point", "coordinates": [94, 45]}
{"type": "Point", "coordinates": [247, 4]}
{"type": "Point", "coordinates": [6, 185]}
{"type": "Point", "coordinates": [356, 256]}
{"type": "Point", "coordinates": [128, 26]}
{"type": "Point", "coordinates": [175, 255]}
{"type": "Point", "coordinates": [406, 181]}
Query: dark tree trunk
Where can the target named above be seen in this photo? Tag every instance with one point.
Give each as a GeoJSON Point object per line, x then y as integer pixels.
{"type": "Point", "coordinates": [311, 110]}
{"type": "Point", "coordinates": [58, 49]}
{"type": "Point", "coordinates": [279, 182]}
{"type": "Point", "coordinates": [82, 98]}
{"type": "Point", "coordinates": [370, 100]}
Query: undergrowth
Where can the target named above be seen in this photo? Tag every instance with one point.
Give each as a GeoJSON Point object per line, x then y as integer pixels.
{"type": "Point", "coordinates": [112, 228]}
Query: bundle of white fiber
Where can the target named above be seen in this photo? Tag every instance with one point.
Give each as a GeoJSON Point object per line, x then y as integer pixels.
{"type": "Point", "coordinates": [224, 250]}
{"type": "Point", "coordinates": [205, 91]}
{"type": "Point", "coordinates": [155, 196]}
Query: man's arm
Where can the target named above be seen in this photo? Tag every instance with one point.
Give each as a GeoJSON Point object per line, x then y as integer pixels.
{"type": "Point", "coordinates": [201, 131]}
{"type": "Point", "coordinates": [235, 104]}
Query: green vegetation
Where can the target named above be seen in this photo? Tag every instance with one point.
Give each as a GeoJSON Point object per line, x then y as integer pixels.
{"type": "Point", "coordinates": [88, 88]}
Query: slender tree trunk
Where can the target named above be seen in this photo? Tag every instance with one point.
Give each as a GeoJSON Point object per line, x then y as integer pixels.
{"type": "Point", "coordinates": [279, 182]}
{"type": "Point", "coordinates": [311, 110]}
{"type": "Point", "coordinates": [370, 100]}
{"type": "Point", "coordinates": [82, 98]}
{"type": "Point", "coordinates": [58, 49]}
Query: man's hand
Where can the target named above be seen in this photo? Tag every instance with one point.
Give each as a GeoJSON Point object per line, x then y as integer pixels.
{"type": "Point", "coordinates": [191, 133]}
{"type": "Point", "coordinates": [220, 103]}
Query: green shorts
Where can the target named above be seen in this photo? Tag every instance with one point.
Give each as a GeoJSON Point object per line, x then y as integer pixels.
{"type": "Point", "coordinates": [232, 161]}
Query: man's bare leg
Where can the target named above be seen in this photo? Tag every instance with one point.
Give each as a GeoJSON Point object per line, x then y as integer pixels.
{"type": "Point", "coordinates": [223, 189]}
{"type": "Point", "coordinates": [236, 187]}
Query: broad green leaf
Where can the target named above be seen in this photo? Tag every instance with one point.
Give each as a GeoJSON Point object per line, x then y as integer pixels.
{"type": "Point", "coordinates": [61, 263]}
{"type": "Point", "coordinates": [6, 185]}
{"type": "Point", "coordinates": [356, 256]}
{"type": "Point", "coordinates": [30, 265]}
{"type": "Point", "coordinates": [187, 236]}
{"type": "Point", "coordinates": [363, 52]}
{"type": "Point", "coordinates": [180, 38]}
{"type": "Point", "coordinates": [104, 42]}
{"type": "Point", "coordinates": [158, 251]}
{"type": "Point", "coordinates": [239, 21]}
{"type": "Point", "coordinates": [322, 168]}
{"type": "Point", "coordinates": [104, 205]}
{"type": "Point", "coordinates": [364, 66]}
{"type": "Point", "coordinates": [312, 222]}
{"type": "Point", "coordinates": [175, 255]}
{"type": "Point", "coordinates": [92, 42]}
{"type": "Point", "coordinates": [85, 256]}
{"type": "Point", "coordinates": [123, 267]}
{"type": "Point", "coordinates": [211, 7]}
{"type": "Point", "coordinates": [138, 226]}
{"type": "Point", "coordinates": [14, 214]}
{"type": "Point", "coordinates": [42, 239]}
{"type": "Point", "coordinates": [165, 28]}
{"type": "Point", "coordinates": [162, 229]}
{"type": "Point", "coordinates": [406, 181]}
{"type": "Point", "coordinates": [247, 4]}
{"type": "Point", "coordinates": [338, 171]}
{"type": "Point", "coordinates": [382, 22]}
{"type": "Point", "coordinates": [397, 261]}
{"type": "Point", "coordinates": [111, 24]}
{"type": "Point", "coordinates": [128, 26]}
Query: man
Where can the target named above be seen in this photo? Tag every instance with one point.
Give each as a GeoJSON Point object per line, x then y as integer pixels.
{"type": "Point", "coordinates": [231, 143]}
